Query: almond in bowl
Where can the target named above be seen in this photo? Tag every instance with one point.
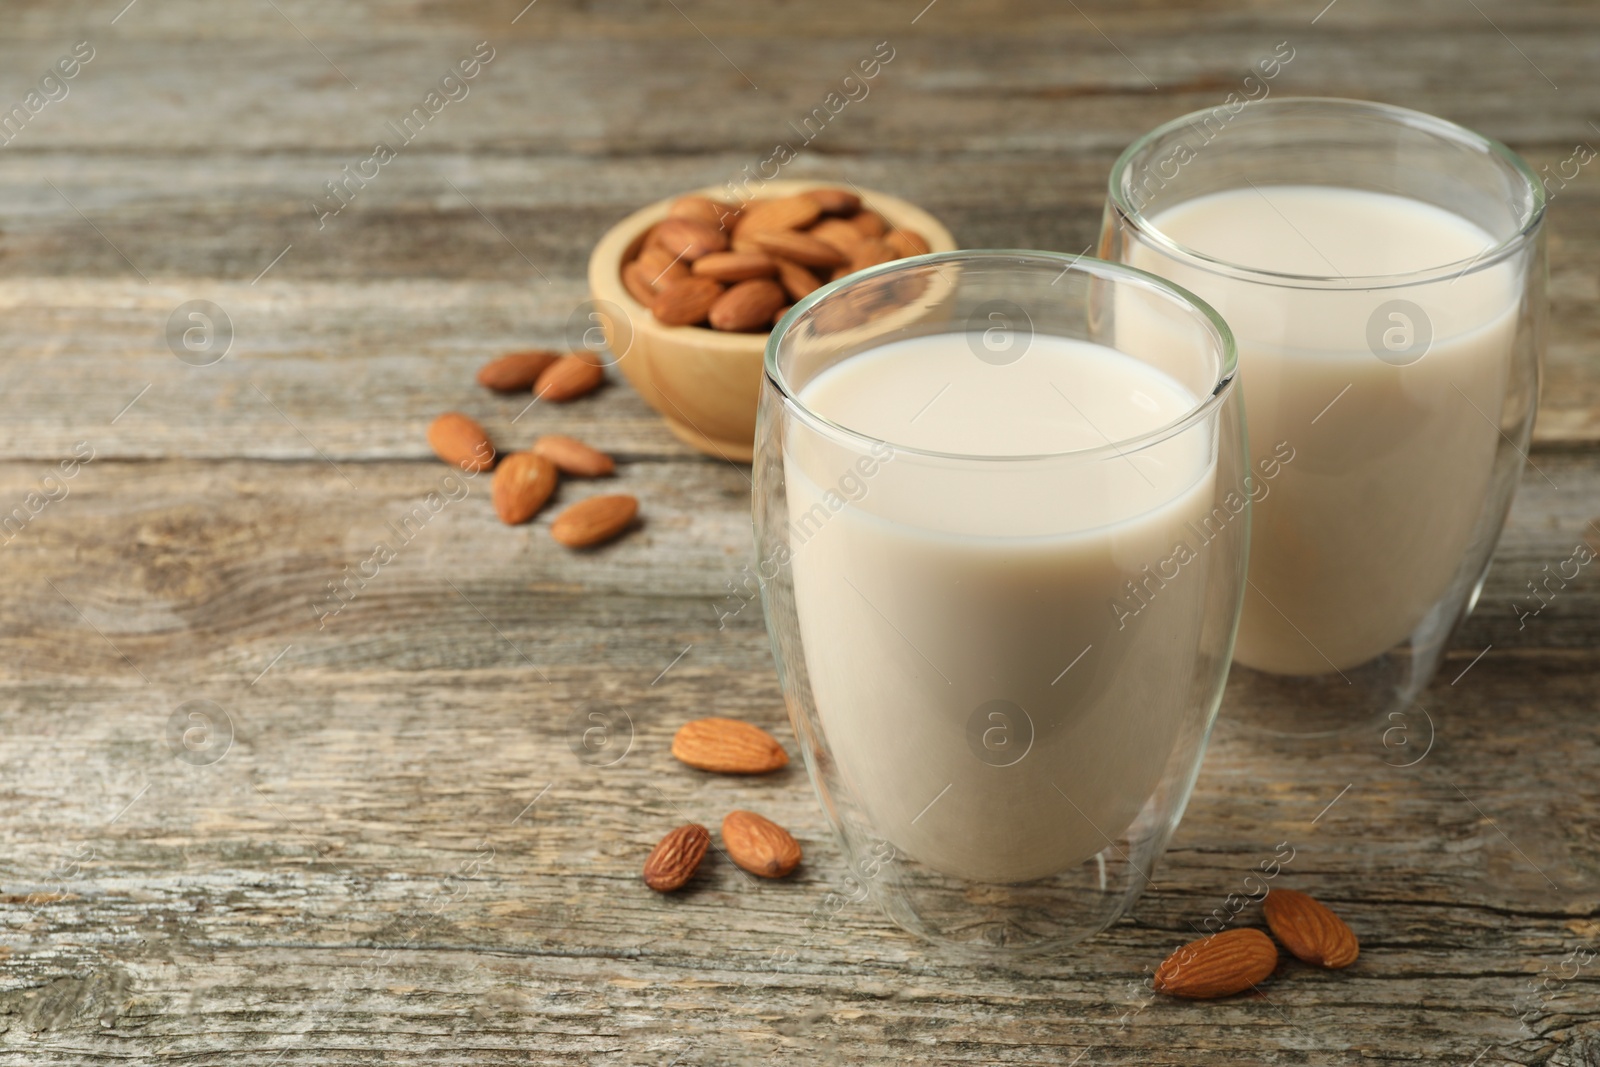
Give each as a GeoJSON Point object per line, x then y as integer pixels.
{"type": "Point", "coordinates": [702, 280]}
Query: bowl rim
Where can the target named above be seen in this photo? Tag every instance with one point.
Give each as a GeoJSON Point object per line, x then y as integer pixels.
{"type": "Point", "coordinates": [605, 261]}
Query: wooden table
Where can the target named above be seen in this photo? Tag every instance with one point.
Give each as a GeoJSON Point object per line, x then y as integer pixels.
{"type": "Point", "coordinates": [398, 857]}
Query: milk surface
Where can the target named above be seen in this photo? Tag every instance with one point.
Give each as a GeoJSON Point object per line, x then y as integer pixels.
{"type": "Point", "coordinates": [991, 713]}
{"type": "Point", "coordinates": [1363, 531]}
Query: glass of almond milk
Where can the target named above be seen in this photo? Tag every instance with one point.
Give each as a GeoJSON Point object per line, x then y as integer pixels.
{"type": "Point", "coordinates": [1383, 273]}
{"type": "Point", "coordinates": [1001, 510]}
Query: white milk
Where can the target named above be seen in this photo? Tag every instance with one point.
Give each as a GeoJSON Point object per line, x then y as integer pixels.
{"type": "Point", "coordinates": [944, 586]}
{"type": "Point", "coordinates": [1360, 534]}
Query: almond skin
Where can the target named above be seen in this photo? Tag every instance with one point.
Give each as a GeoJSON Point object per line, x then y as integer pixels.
{"type": "Point", "coordinates": [660, 268]}
{"type": "Point", "coordinates": [728, 746]}
{"type": "Point", "coordinates": [747, 306]}
{"type": "Point", "coordinates": [516, 371]}
{"type": "Point", "coordinates": [783, 213]}
{"type": "Point", "coordinates": [636, 280]}
{"type": "Point", "coordinates": [594, 521]}
{"type": "Point", "coordinates": [759, 845]}
{"type": "Point", "coordinates": [906, 243]}
{"type": "Point", "coordinates": [801, 248]}
{"type": "Point", "coordinates": [461, 442]}
{"type": "Point", "coordinates": [869, 224]}
{"type": "Point", "coordinates": [675, 859]}
{"type": "Point", "coordinates": [835, 201]}
{"type": "Point", "coordinates": [1309, 930]}
{"type": "Point", "coordinates": [686, 303]}
{"type": "Point", "coordinates": [1217, 966]}
{"type": "Point", "coordinates": [572, 456]}
{"type": "Point", "coordinates": [837, 232]}
{"type": "Point", "coordinates": [796, 280]}
{"type": "Point", "coordinates": [567, 379]}
{"type": "Point", "coordinates": [699, 209]}
{"type": "Point", "coordinates": [735, 266]}
{"type": "Point", "coordinates": [522, 484]}
{"type": "Point", "coordinates": [687, 239]}
{"type": "Point", "coordinates": [871, 252]}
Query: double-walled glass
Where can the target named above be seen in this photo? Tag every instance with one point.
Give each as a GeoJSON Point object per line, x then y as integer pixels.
{"type": "Point", "coordinates": [1406, 400]}
{"type": "Point", "coordinates": [1003, 669]}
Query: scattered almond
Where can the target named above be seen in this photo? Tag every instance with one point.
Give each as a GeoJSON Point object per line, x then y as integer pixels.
{"type": "Point", "coordinates": [735, 266]}
{"type": "Point", "coordinates": [675, 859]}
{"type": "Point", "coordinates": [747, 306]}
{"type": "Point", "coordinates": [522, 484]}
{"type": "Point", "coordinates": [568, 378]}
{"type": "Point", "coordinates": [728, 746]}
{"type": "Point", "coordinates": [1309, 930]}
{"type": "Point", "coordinates": [780, 313]}
{"type": "Point", "coordinates": [687, 239]}
{"type": "Point", "coordinates": [461, 442]}
{"type": "Point", "coordinates": [572, 456]}
{"type": "Point", "coordinates": [1216, 966]}
{"type": "Point", "coordinates": [686, 303]}
{"type": "Point", "coordinates": [595, 520]}
{"type": "Point", "coordinates": [516, 371]}
{"type": "Point", "coordinates": [760, 845]}
{"type": "Point", "coordinates": [798, 247]}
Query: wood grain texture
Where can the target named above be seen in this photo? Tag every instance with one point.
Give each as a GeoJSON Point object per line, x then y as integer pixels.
{"type": "Point", "coordinates": [398, 857]}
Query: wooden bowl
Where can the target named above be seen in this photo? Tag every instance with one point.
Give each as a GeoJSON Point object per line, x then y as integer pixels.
{"type": "Point", "coordinates": [705, 383]}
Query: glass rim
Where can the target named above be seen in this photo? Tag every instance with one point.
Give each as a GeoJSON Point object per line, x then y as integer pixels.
{"type": "Point", "coordinates": [1117, 273]}
{"type": "Point", "coordinates": [1526, 230]}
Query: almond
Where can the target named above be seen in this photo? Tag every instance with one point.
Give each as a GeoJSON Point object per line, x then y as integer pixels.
{"type": "Point", "coordinates": [687, 239]}
{"type": "Point", "coordinates": [838, 233]}
{"type": "Point", "coordinates": [593, 521]}
{"type": "Point", "coordinates": [797, 281]}
{"type": "Point", "coordinates": [735, 266]}
{"type": "Point", "coordinates": [461, 442]}
{"type": "Point", "coordinates": [869, 253]}
{"type": "Point", "coordinates": [522, 484]}
{"type": "Point", "coordinates": [835, 201]}
{"type": "Point", "coordinates": [686, 303]}
{"type": "Point", "coordinates": [572, 456]}
{"type": "Point", "coordinates": [728, 746]}
{"type": "Point", "coordinates": [1217, 966]}
{"type": "Point", "coordinates": [1309, 930]}
{"type": "Point", "coordinates": [780, 313]}
{"type": "Point", "coordinates": [869, 224]}
{"type": "Point", "coordinates": [760, 845]}
{"type": "Point", "coordinates": [568, 378]}
{"type": "Point", "coordinates": [906, 243]}
{"type": "Point", "coordinates": [747, 306]}
{"type": "Point", "coordinates": [661, 267]}
{"type": "Point", "coordinates": [802, 248]}
{"type": "Point", "coordinates": [515, 370]}
{"type": "Point", "coordinates": [699, 209]}
{"type": "Point", "coordinates": [636, 279]}
{"type": "Point", "coordinates": [783, 213]}
{"type": "Point", "coordinates": [675, 859]}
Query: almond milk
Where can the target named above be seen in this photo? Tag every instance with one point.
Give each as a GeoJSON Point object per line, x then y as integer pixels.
{"type": "Point", "coordinates": [992, 715]}
{"type": "Point", "coordinates": [1362, 533]}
